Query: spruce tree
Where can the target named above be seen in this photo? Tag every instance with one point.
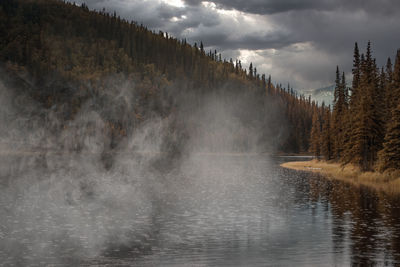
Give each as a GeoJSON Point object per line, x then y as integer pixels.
{"type": "Point", "coordinates": [315, 136]}
{"type": "Point", "coordinates": [337, 85]}
{"type": "Point", "coordinates": [396, 81]}
{"type": "Point", "coordinates": [349, 146]}
{"type": "Point", "coordinates": [326, 135]}
{"type": "Point", "coordinates": [339, 109]}
{"type": "Point", "coordinates": [356, 75]}
{"type": "Point", "coordinates": [368, 127]}
{"type": "Point", "coordinates": [269, 85]}
{"type": "Point", "coordinates": [335, 124]}
{"type": "Point", "coordinates": [389, 156]}
{"type": "Point", "coordinates": [251, 70]}
{"type": "Point", "coordinates": [388, 90]}
{"type": "Point", "coordinates": [382, 95]}
{"type": "Point", "coordinates": [345, 93]}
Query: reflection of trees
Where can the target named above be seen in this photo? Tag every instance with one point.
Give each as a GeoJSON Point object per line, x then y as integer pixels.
{"type": "Point", "coordinates": [390, 210]}
{"type": "Point", "coordinates": [365, 232]}
{"type": "Point", "coordinates": [370, 220]}
{"type": "Point", "coordinates": [332, 192]}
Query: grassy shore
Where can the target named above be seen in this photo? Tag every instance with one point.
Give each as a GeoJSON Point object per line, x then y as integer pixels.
{"type": "Point", "coordinates": [387, 182]}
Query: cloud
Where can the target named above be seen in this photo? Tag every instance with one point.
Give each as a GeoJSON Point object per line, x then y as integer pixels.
{"type": "Point", "coordinates": [329, 27]}
{"type": "Point", "coordinates": [268, 7]}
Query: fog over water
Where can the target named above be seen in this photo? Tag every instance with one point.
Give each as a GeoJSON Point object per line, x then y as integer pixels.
{"type": "Point", "coordinates": [66, 195]}
{"type": "Point", "coordinates": [196, 186]}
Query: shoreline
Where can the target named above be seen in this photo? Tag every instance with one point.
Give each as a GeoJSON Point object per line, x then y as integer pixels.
{"type": "Point", "coordinates": [386, 182]}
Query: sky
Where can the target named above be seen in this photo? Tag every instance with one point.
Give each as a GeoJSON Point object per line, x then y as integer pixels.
{"type": "Point", "coordinates": [295, 41]}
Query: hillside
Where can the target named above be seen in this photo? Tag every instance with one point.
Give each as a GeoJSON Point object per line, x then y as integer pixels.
{"type": "Point", "coordinates": [66, 61]}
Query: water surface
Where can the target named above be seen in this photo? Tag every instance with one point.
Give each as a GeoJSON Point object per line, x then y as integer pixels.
{"type": "Point", "coordinates": [208, 210]}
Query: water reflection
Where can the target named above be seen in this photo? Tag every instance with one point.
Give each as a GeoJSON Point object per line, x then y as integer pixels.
{"type": "Point", "coordinates": [207, 211]}
{"type": "Point", "coordinates": [364, 221]}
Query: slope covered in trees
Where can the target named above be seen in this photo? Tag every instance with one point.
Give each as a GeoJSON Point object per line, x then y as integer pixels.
{"type": "Point", "coordinates": [363, 126]}
{"type": "Point", "coordinates": [64, 56]}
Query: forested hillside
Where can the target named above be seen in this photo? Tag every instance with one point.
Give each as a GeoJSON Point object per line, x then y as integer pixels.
{"type": "Point", "coordinates": [363, 127]}
{"type": "Point", "coordinates": [66, 58]}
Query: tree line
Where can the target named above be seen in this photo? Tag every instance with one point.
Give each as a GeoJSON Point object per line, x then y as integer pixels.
{"type": "Point", "coordinates": [363, 126]}
{"type": "Point", "coordinates": [63, 46]}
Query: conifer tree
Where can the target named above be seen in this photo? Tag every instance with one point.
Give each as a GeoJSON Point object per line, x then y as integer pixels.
{"type": "Point", "coordinates": [367, 132]}
{"type": "Point", "coordinates": [345, 93]}
{"type": "Point", "coordinates": [382, 95]}
{"type": "Point", "coordinates": [396, 81]}
{"type": "Point", "coordinates": [269, 85]}
{"type": "Point", "coordinates": [349, 146]}
{"type": "Point", "coordinates": [338, 115]}
{"type": "Point", "coordinates": [388, 89]}
{"type": "Point", "coordinates": [315, 136]}
{"type": "Point", "coordinates": [389, 156]}
{"type": "Point", "coordinates": [364, 125]}
{"type": "Point", "coordinates": [251, 70]}
{"type": "Point", "coordinates": [337, 87]}
{"type": "Point", "coordinates": [356, 75]}
{"type": "Point", "coordinates": [326, 135]}
{"type": "Point", "coordinates": [335, 124]}
{"type": "Point", "coordinates": [201, 47]}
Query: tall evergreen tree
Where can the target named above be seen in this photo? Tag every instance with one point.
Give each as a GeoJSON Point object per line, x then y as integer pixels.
{"type": "Point", "coordinates": [269, 85]}
{"type": "Point", "coordinates": [315, 136]}
{"type": "Point", "coordinates": [337, 87]}
{"type": "Point", "coordinates": [353, 110]}
{"type": "Point", "coordinates": [338, 115]}
{"type": "Point", "coordinates": [345, 92]}
{"type": "Point", "coordinates": [388, 89]}
{"type": "Point", "coordinates": [335, 124]}
{"type": "Point", "coordinates": [382, 94]}
{"type": "Point", "coordinates": [326, 135]}
{"type": "Point", "coordinates": [396, 81]}
{"type": "Point", "coordinates": [367, 131]}
{"type": "Point", "coordinates": [389, 156]}
{"type": "Point", "coordinates": [356, 75]}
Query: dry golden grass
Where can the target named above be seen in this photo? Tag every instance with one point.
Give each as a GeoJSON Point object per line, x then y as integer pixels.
{"type": "Point", "coordinates": [388, 182]}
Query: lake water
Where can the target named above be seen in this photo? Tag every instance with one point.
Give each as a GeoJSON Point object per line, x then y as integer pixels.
{"type": "Point", "coordinates": [207, 210]}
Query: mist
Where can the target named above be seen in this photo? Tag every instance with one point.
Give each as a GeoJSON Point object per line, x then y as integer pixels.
{"type": "Point", "coordinates": [75, 189]}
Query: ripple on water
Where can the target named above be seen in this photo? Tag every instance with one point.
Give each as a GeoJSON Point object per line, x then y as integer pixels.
{"type": "Point", "coordinates": [223, 211]}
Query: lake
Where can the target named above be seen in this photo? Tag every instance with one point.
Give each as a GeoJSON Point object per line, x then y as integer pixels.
{"type": "Point", "coordinates": [202, 210]}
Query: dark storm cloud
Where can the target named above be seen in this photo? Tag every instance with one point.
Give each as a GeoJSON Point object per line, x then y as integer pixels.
{"type": "Point", "coordinates": [158, 15]}
{"type": "Point", "coordinates": [154, 14]}
{"type": "Point", "coordinates": [168, 12]}
{"type": "Point", "coordinates": [336, 32]}
{"type": "Point", "coordinates": [275, 40]}
{"type": "Point", "coordinates": [328, 27]}
{"type": "Point", "coordinates": [265, 7]}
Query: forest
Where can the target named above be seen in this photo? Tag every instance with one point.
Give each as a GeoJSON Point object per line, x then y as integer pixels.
{"type": "Point", "coordinates": [64, 56]}
{"type": "Point", "coordinates": [125, 145]}
{"type": "Point", "coordinates": [363, 126]}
